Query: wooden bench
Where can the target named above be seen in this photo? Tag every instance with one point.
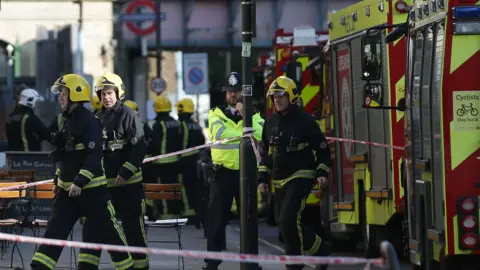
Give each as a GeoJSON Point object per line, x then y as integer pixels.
{"type": "Point", "coordinates": [166, 192]}
{"type": "Point", "coordinates": [11, 225]}
{"type": "Point", "coordinates": [152, 192]}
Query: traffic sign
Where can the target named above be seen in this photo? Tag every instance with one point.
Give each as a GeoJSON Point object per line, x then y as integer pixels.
{"type": "Point", "coordinates": [195, 73]}
{"type": "Point", "coordinates": [131, 16]}
{"type": "Point", "coordinates": [158, 85]}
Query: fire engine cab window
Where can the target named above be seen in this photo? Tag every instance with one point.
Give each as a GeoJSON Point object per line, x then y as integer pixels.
{"type": "Point", "coordinates": [372, 57]}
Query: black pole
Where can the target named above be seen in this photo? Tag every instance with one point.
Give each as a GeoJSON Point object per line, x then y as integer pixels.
{"type": "Point", "coordinates": [248, 165]}
{"type": "Point", "coordinates": [158, 40]}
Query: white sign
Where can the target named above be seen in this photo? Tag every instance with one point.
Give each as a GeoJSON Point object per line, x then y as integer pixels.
{"type": "Point", "coordinates": [158, 85]}
{"type": "Point", "coordinates": [195, 73]}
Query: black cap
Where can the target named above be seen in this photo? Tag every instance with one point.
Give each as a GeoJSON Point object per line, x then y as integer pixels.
{"type": "Point", "coordinates": [233, 83]}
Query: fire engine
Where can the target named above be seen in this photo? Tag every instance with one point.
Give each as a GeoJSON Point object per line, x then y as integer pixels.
{"type": "Point", "coordinates": [442, 131]}
{"type": "Point", "coordinates": [299, 56]}
{"type": "Point", "coordinates": [366, 194]}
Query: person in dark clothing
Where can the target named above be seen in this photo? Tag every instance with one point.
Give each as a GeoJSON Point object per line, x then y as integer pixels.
{"type": "Point", "coordinates": [225, 121]}
{"type": "Point", "coordinates": [80, 185]}
{"type": "Point", "coordinates": [192, 136]}
{"type": "Point", "coordinates": [124, 151]}
{"type": "Point", "coordinates": [166, 138]}
{"type": "Point", "coordinates": [24, 130]}
{"type": "Point", "coordinates": [297, 156]}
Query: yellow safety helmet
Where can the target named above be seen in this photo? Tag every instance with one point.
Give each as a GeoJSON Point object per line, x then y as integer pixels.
{"type": "Point", "coordinates": [282, 85]}
{"type": "Point", "coordinates": [79, 87]}
{"type": "Point", "coordinates": [96, 103]}
{"type": "Point", "coordinates": [185, 105]}
{"type": "Point", "coordinates": [110, 81]}
{"type": "Point", "coordinates": [162, 104]}
{"type": "Point", "coordinates": [131, 104]}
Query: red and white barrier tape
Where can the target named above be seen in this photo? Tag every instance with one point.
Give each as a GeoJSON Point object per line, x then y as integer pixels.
{"type": "Point", "coordinates": [150, 159]}
{"type": "Point", "coordinates": [226, 256]}
{"type": "Point", "coordinates": [366, 143]}
{"type": "Point", "coordinates": [23, 186]}
{"type": "Point", "coordinates": [250, 136]}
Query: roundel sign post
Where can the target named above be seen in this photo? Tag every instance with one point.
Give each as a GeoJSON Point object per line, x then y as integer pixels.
{"type": "Point", "coordinates": [134, 19]}
{"type": "Point", "coordinates": [158, 85]}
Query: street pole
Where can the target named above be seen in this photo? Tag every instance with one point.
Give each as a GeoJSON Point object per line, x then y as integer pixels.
{"type": "Point", "coordinates": [248, 165]}
{"type": "Point", "coordinates": [158, 40]}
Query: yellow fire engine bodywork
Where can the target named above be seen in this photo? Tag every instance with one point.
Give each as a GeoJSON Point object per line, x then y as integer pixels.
{"type": "Point", "coordinates": [342, 26]}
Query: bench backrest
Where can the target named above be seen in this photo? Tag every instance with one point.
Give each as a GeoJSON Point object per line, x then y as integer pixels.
{"type": "Point", "coordinates": [163, 191]}
{"type": "Point", "coordinates": [43, 191]}
{"type": "Point", "coordinates": [152, 191]}
{"type": "Point", "coordinates": [12, 194]}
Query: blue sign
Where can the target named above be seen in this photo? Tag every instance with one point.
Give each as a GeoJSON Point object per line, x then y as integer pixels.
{"type": "Point", "coordinates": [195, 75]}
{"type": "Point", "coordinates": [141, 17]}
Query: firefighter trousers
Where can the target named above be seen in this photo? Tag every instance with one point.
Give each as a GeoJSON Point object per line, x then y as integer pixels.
{"type": "Point", "coordinates": [167, 174]}
{"type": "Point", "coordinates": [193, 190]}
{"type": "Point", "coordinates": [129, 203]}
{"type": "Point", "coordinates": [95, 205]}
{"type": "Point", "coordinates": [290, 202]}
{"type": "Point", "coordinates": [224, 186]}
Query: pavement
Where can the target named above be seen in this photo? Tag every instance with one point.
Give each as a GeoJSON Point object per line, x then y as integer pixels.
{"type": "Point", "coordinates": [192, 239]}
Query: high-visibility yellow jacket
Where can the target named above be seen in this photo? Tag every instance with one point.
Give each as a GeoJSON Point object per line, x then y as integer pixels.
{"type": "Point", "coordinates": [223, 127]}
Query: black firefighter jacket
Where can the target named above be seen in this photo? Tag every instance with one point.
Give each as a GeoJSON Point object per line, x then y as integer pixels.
{"type": "Point", "coordinates": [166, 138]}
{"type": "Point", "coordinates": [192, 135]}
{"type": "Point", "coordinates": [124, 144]}
{"type": "Point", "coordinates": [294, 147]}
{"type": "Point", "coordinates": [78, 150]}
{"type": "Point", "coordinates": [25, 131]}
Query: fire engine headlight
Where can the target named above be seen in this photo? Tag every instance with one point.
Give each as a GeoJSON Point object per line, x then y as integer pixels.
{"type": "Point", "coordinates": [470, 240]}
{"type": "Point", "coordinates": [468, 205]}
{"type": "Point", "coordinates": [466, 28]}
{"type": "Point", "coordinates": [469, 222]}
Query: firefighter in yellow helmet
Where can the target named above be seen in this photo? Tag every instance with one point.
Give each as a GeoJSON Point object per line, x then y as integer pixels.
{"type": "Point", "coordinates": [166, 138]}
{"type": "Point", "coordinates": [147, 130]}
{"type": "Point", "coordinates": [297, 158]}
{"type": "Point", "coordinates": [80, 182]}
{"type": "Point", "coordinates": [225, 121]}
{"type": "Point", "coordinates": [124, 151]}
{"type": "Point", "coordinates": [192, 136]}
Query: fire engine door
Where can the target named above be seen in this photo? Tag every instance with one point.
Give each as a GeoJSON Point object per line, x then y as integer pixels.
{"type": "Point", "coordinates": [425, 189]}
